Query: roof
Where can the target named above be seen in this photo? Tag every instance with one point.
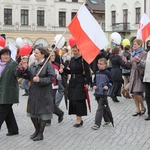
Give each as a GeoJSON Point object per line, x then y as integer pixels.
{"type": "Point", "coordinates": [96, 5]}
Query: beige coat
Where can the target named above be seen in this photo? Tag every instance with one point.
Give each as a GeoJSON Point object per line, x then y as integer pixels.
{"type": "Point", "coordinates": [147, 69]}
{"type": "Point", "coordinates": [135, 82]}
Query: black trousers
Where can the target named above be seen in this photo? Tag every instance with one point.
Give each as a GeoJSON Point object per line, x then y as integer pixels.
{"type": "Point", "coordinates": [102, 111]}
{"type": "Point", "coordinates": [147, 96]}
{"type": "Point", "coordinates": [7, 115]}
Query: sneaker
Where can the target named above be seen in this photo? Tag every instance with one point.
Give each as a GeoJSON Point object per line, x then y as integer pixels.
{"type": "Point", "coordinates": [105, 124]}
{"type": "Point", "coordinates": [95, 127]}
{"type": "Point", "coordinates": [26, 94]}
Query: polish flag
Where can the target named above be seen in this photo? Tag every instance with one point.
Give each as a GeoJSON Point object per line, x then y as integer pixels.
{"type": "Point", "coordinates": [90, 38]}
{"type": "Point", "coordinates": [144, 28]}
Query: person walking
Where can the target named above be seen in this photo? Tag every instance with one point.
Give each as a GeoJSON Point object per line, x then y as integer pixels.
{"type": "Point", "coordinates": [102, 83]}
{"type": "Point", "coordinates": [9, 91]}
{"type": "Point", "coordinates": [24, 82]}
{"type": "Point", "coordinates": [55, 86]}
{"type": "Point", "coordinates": [58, 60]}
{"type": "Point", "coordinates": [116, 62]}
{"type": "Point", "coordinates": [146, 80]}
{"type": "Point", "coordinates": [126, 73]}
{"type": "Point", "coordinates": [40, 101]}
{"type": "Point", "coordinates": [80, 78]}
{"type": "Point", "coordinates": [136, 86]}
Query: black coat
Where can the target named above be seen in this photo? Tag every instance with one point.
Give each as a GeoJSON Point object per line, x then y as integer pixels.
{"type": "Point", "coordinates": [77, 81]}
{"type": "Point", "coordinates": [102, 54]}
{"type": "Point", "coordinates": [117, 62]}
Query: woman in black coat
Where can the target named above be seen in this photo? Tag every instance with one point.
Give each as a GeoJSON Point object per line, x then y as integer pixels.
{"type": "Point", "coordinates": [117, 62]}
{"type": "Point", "coordinates": [80, 78]}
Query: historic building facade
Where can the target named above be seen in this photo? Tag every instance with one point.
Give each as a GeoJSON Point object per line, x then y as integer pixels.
{"type": "Point", "coordinates": [36, 21]}
{"type": "Point", "coordinates": [124, 16]}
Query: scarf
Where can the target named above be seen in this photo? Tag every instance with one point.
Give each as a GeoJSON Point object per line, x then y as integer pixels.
{"type": "Point", "coordinates": [137, 52]}
{"type": "Point", "coordinates": [2, 66]}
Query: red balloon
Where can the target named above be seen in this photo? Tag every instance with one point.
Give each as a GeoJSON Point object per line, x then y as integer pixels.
{"type": "Point", "coordinates": [25, 50]}
{"type": "Point", "coordinates": [2, 41]}
{"type": "Point", "coordinates": [72, 41]}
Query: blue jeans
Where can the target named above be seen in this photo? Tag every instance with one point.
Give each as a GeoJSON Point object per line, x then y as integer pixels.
{"type": "Point", "coordinates": [25, 85]}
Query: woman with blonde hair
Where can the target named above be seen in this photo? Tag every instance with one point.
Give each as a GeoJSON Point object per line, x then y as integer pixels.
{"type": "Point", "coordinates": [136, 86]}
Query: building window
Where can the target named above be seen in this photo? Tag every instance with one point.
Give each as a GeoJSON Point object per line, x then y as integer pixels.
{"type": "Point", "coordinates": [74, 0]}
{"type": "Point", "coordinates": [103, 26]}
{"type": "Point", "coordinates": [8, 16]}
{"type": "Point", "coordinates": [62, 19]}
{"type": "Point", "coordinates": [40, 18]}
{"type": "Point", "coordinates": [113, 17]}
{"type": "Point", "coordinates": [137, 15]}
{"type": "Point", "coordinates": [125, 16]}
{"type": "Point", "coordinates": [73, 14]}
{"type": "Point", "coordinates": [24, 17]}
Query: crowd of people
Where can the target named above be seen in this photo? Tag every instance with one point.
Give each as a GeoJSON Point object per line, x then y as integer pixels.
{"type": "Point", "coordinates": [47, 76]}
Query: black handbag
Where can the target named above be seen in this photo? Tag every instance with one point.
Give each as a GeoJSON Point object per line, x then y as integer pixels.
{"type": "Point", "coordinates": [140, 76]}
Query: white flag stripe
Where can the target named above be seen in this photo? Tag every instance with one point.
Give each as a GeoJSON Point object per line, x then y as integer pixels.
{"type": "Point", "coordinates": [91, 27]}
{"type": "Point", "coordinates": [13, 50]}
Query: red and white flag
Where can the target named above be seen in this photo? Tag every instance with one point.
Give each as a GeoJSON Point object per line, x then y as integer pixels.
{"type": "Point", "coordinates": [144, 28]}
{"type": "Point", "coordinates": [90, 38]}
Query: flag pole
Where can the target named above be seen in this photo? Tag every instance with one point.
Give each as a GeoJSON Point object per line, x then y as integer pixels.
{"type": "Point", "coordinates": [51, 53]}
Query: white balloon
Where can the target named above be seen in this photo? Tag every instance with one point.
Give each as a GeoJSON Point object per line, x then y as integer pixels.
{"type": "Point", "coordinates": [59, 43]}
{"type": "Point", "coordinates": [116, 38]}
{"type": "Point", "coordinates": [69, 48]}
{"type": "Point", "coordinates": [19, 41]}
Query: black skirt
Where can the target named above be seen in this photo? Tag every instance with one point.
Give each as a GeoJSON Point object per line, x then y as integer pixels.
{"type": "Point", "coordinates": [116, 89]}
{"type": "Point", "coordinates": [78, 107]}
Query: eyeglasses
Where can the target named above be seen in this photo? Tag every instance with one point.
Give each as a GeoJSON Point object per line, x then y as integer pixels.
{"type": "Point", "coordinates": [100, 64]}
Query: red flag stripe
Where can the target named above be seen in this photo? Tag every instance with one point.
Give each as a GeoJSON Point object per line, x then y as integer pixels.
{"type": "Point", "coordinates": [145, 32]}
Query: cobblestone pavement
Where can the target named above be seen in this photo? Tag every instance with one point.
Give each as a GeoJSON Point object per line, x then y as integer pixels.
{"type": "Point", "coordinates": [129, 133]}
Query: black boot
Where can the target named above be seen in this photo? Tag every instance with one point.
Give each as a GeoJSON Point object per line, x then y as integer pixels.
{"type": "Point", "coordinates": [36, 125]}
{"type": "Point", "coordinates": [41, 130]}
{"type": "Point", "coordinates": [115, 99]}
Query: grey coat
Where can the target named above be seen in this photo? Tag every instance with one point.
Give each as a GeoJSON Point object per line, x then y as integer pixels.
{"type": "Point", "coordinates": [135, 82]}
{"type": "Point", "coordinates": [40, 99]}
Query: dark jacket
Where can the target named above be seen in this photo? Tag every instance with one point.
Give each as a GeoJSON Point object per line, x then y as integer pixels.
{"type": "Point", "coordinates": [102, 54]}
{"type": "Point", "coordinates": [102, 78]}
{"type": "Point", "coordinates": [9, 89]}
{"type": "Point", "coordinates": [116, 64]}
{"type": "Point", "coordinates": [80, 75]}
{"type": "Point", "coordinates": [126, 71]}
{"type": "Point", "coordinates": [40, 99]}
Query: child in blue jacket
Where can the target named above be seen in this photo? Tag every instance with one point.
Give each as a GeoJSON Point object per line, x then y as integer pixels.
{"type": "Point", "coordinates": [102, 84]}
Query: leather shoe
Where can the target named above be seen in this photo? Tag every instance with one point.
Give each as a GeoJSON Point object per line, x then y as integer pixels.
{"type": "Point", "coordinates": [143, 111]}
{"type": "Point", "coordinates": [13, 133]}
{"type": "Point", "coordinates": [136, 114]}
{"type": "Point", "coordinates": [78, 125]}
{"type": "Point", "coordinates": [148, 118]}
{"type": "Point", "coordinates": [60, 118]}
